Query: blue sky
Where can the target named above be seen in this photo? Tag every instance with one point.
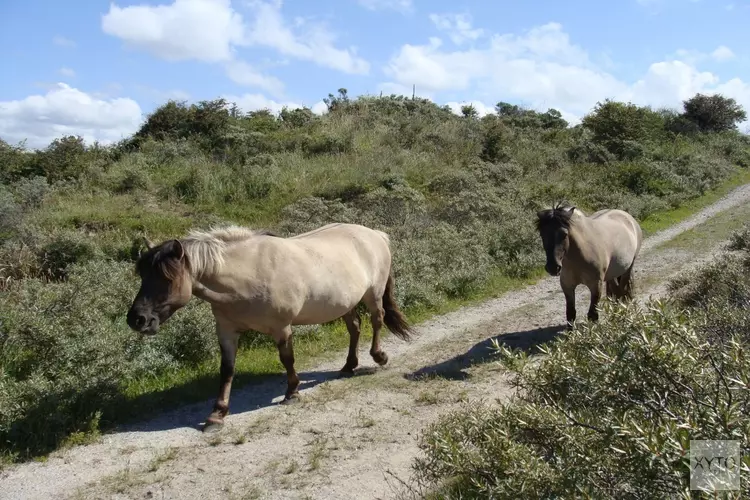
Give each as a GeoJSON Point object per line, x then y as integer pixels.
{"type": "Point", "coordinates": [95, 68]}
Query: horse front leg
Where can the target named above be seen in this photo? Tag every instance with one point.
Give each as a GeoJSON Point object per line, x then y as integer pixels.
{"type": "Point", "coordinates": [286, 355]}
{"type": "Point", "coordinates": [569, 290]}
{"type": "Point", "coordinates": [597, 292]}
{"type": "Point", "coordinates": [228, 342]}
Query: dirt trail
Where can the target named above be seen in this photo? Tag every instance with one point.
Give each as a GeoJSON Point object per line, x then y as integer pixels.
{"type": "Point", "coordinates": [347, 438]}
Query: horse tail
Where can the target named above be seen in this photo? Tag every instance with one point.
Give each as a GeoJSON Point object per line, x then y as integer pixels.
{"type": "Point", "coordinates": [394, 319]}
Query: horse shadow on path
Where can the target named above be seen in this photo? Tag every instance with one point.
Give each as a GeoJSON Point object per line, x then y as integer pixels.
{"type": "Point", "coordinates": [257, 393]}
{"type": "Point", "coordinates": [455, 368]}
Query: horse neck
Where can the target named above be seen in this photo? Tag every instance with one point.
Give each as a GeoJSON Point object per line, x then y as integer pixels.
{"type": "Point", "coordinates": [579, 236]}
{"type": "Point", "coordinates": [206, 260]}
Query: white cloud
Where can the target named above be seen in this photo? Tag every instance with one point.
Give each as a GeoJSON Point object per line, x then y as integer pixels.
{"type": "Point", "coordinates": [543, 69]}
{"type": "Point", "coordinates": [212, 31]}
{"type": "Point", "coordinates": [316, 44]}
{"type": "Point", "coordinates": [65, 110]}
{"type": "Point", "coordinates": [722, 53]}
{"type": "Point", "coordinates": [255, 102]}
{"type": "Point", "coordinates": [67, 72]}
{"type": "Point", "coordinates": [61, 41]}
{"type": "Point", "coordinates": [204, 30]}
{"type": "Point", "coordinates": [458, 26]}
{"type": "Point", "coordinates": [482, 108]}
{"type": "Point", "coordinates": [404, 6]}
{"type": "Point", "coordinates": [320, 108]}
{"type": "Point", "coordinates": [242, 73]}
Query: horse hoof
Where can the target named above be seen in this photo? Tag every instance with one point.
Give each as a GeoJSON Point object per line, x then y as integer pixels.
{"type": "Point", "coordinates": [380, 358]}
{"type": "Point", "coordinates": [212, 427]}
{"type": "Point", "coordinates": [292, 398]}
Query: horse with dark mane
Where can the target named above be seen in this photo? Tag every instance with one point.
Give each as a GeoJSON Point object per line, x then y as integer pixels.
{"type": "Point", "coordinates": [257, 280]}
{"type": "Point", "coordinates": [598, 251]}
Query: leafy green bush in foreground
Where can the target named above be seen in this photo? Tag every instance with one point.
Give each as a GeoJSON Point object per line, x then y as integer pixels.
{"type": "Point", "coordinates": [609, 412]}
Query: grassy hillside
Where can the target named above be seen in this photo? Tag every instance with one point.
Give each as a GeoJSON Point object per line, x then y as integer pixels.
{"type": "Point", "coordinates": [611, 409]}
{"type": "Point", "coordinates": [457, 194]}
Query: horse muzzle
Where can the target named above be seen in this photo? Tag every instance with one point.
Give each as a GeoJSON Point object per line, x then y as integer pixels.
{"type": "Point", "coordinates": [147, 324]}
{"type": "Point", "coordinates": [553, 269]}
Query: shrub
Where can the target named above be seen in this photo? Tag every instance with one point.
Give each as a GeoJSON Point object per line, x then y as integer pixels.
{"type": "Point", "coordinates": [608, 413]}
{"type": "Point", "coordinates": [67, 353]}
{"type": "Point", "coordinates": [623, 128]}
{"type": "Point", "coordinates": [740, 240]}
{"type": "Point", "coordinates": [713, 113]}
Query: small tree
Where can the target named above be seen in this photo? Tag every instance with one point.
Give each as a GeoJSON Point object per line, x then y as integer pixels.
{"type": "Point", "coordinates": [713, 113]}
{"type": "Point", "coordinates": [469, 111]}
{"type": "Point", "coordinates": [335, 102]}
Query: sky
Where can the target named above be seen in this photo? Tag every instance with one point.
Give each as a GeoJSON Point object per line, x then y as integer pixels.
{"type": "Point", "coordinates": [97, 68]}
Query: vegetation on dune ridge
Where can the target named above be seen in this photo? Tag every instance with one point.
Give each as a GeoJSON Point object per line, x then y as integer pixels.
{"type": "Point", "coordinates": [457, 194]}
{"type": "Point", "coordinates": [611, 409]}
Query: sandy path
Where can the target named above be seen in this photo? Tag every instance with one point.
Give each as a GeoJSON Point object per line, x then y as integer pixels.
{"type": "Point", "coordinates": [346, 438]}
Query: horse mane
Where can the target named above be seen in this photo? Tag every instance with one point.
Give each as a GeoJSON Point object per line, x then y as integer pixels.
{"type": "Point", "coordinates": [204, 251]}
{"type": "Point", "coordinates": [560, 215]}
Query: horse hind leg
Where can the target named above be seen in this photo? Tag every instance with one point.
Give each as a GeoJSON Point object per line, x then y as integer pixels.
{"type": "Point", "coordinates": [626, 286]}
{"type": "Point", "coordinates": [613, 288]}
{"type": "Point", "coordinates": [352, 320]}
{"type": "Point", "coordinates": [377, 314]}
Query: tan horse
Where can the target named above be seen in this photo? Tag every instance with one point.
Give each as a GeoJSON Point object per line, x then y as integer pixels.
{"type": "Point", "coordinates": [596, 251]}
{"type": "Point", "coordinates": [256, 280]}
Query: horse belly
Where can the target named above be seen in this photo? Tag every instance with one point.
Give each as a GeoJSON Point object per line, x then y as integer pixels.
{"type": "Point", "coordinates": [318, 310]}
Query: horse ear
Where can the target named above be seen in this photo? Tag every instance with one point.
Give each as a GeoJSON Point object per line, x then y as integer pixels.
{"type": "Point", "coordinates": [148, 243]}
{"type": "Point", "coordinates": [177, 251]}
{"type": "Point", "coordinates": [572, 209]}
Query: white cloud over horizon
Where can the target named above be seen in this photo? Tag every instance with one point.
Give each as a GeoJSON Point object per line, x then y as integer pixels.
{"type": "Point", "coordinates": [64, 110]}
{"type": "Point", "coordinates": [544, 68]}
{"type": "Point", "coordinates": [256, 102]}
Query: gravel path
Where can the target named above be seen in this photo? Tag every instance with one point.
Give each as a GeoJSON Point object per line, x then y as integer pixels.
{"type": "Point", "coordinates": [346, 438]}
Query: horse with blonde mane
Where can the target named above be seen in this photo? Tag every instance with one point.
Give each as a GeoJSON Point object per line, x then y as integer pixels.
{"type": "Point", "coordinates": [597, 251]}
{"type": "Point", "coordinates": [257, 280]}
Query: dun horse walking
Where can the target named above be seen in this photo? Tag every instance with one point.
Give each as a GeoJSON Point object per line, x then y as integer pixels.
{"type": "Point", "coordinates": [598, 251]}
{"type": "Point", "coordinates": [256, 280]}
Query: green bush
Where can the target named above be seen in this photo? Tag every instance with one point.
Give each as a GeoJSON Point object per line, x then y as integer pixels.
{"type": "Point", "coordinates": [608, 413]}
{"type": "Point", "coordinates": [624, 128]}
{"type": "Point", "coordinates": [67, 353]}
